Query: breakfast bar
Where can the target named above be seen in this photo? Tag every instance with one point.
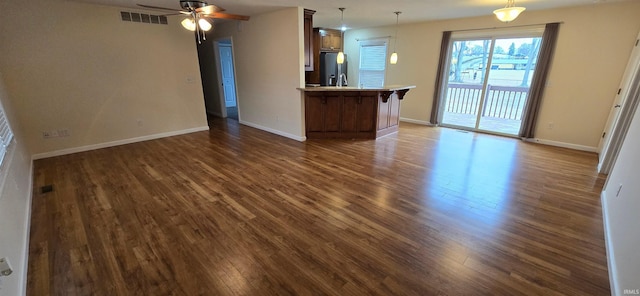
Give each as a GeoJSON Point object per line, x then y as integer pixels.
{"type": "Point", "coordinates": [352, 112]}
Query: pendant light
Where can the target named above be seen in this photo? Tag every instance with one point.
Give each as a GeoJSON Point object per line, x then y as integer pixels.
{"type": "Point", "coordinates": [394, 56]}
{"type": "Point", "coordinates": [509, 12]}
{"type": "Point", "coordinates": [343, 27]}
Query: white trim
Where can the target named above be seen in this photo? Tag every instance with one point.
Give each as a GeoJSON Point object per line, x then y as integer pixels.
{"type": "Point", "coordinates": [273, 131]}
{"type": "Point", "coordinates": [27, 234]}
{"type": "Point", "coordinates": [421, 122]}
{"type": "Point", "coordinates": [611, 263]}
{"type": "Point", "coordinates": [117, 143]}
{"type": "Point", "coordinates": [563, 145]}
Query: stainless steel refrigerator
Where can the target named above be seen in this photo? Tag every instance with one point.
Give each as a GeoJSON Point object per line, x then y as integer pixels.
{"type": "Point", "coordinates": [329, 66]}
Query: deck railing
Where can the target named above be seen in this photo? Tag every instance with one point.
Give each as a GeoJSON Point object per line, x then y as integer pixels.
{"type": "Point", "coordinates": [500, 101]}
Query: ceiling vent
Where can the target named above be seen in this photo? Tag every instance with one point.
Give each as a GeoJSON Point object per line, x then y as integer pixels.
{"type": "Point", "coordinates": [135, 17]}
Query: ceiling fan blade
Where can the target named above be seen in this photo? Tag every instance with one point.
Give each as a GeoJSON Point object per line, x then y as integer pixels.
{"type": "Point", "coordinates": [220, 15]}
{"type": "Point", "coordinates": [158, 8]}
{"type": "Point", "coordinates": [209, 9]}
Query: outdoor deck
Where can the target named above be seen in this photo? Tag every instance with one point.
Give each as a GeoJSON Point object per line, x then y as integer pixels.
{"type": "Point", "coordinates": [501, 112]}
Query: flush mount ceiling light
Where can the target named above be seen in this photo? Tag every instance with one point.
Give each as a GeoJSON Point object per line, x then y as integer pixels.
{"type": "Point", "coordinates": [343, 27]}
{"type": "Point", "coordinates": [509, 12]}
{"type": "Point", "coordinates": [394, 56]}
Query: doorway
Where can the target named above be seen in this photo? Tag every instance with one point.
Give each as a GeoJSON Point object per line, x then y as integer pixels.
{"type": "Point", "coordinates": [489, 81]}
{"type": "Point", "coordinates": [227, 80]}
{"type": "Point", "coordinates": [621, 113]}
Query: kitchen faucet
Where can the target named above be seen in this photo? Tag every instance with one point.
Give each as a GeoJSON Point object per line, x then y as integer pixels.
{"type": "Point", "coordinates": [342, 82]}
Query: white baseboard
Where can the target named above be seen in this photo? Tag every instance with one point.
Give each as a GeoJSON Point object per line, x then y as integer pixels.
{"type": "Point", "coordinates": [274, 131]}
{"type": "Point", "coordinates": [421, 122]}
{"type": "Point", "coordinates": [563, 145]}
{"type": "Point", "coordinates": [611, 263]}
{"type": "Point", "coordinates": [117, 143]}
{"type": "Point", "coordinates": [25, 264]}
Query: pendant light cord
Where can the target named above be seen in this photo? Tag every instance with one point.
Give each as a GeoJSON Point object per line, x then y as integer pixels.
{"type": "Point", "coordinates": [396, 41]}
{"type": "Point", "coordinates": [342, 27]}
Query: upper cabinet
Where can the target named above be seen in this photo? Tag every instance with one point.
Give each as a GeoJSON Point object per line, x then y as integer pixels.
{"type": "Point", "coordinates": [308, 39]}
{"type": "Point", "coordinates": [330, 40]}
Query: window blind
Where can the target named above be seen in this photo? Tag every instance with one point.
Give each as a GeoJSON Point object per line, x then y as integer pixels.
{"type": "Point", "coordinates": [6, 135]}
{"type": "Point", "coordinates": [373, 62]}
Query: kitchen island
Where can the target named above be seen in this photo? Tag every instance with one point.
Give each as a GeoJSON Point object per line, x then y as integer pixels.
{"type": "Point", "coordinates": [352, 112]}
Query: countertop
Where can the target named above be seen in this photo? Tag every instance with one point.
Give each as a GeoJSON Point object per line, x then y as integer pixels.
{"type": "Point", "coordinates": [353, 88]}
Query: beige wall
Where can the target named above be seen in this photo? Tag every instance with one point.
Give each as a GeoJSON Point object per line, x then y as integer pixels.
{"type": "Point", "coordinates": [15, 203]}
{"type": "Point", "coordinates": [77, 66]}
{"type": "Point", "coordinates": [593, 48]}
{"type": "Point", "coordinates": [268, 53]}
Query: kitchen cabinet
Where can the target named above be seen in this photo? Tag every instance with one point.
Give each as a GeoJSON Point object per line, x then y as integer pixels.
{"type": "Point", "coordinates": [336, 112]}
{"type": "Point", "coordinates": [308, 40]}
{"type": "Point", "coordinates": [330, 40]}
{"type": "Point", "coordinates": [313, 77]}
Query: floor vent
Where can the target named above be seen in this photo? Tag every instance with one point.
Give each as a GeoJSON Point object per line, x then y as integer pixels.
{"type": "Point", "coordinates": [46, 188]}
{"type": "Point", "coordinates": [135, 17]}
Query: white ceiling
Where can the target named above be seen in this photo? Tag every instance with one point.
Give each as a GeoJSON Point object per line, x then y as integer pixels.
{"type": "Point", "coordinates": [366, 13]}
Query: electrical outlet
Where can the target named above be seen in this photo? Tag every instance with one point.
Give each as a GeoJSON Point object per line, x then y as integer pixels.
{"type": "Point", "coordinates": [551, 125]}
{"type": "Point", "coordinates": [140, 122]}
{"type": "Point", "coordinates": [64, 133]}
{"type": "Point", "coordinates": [46, 135]}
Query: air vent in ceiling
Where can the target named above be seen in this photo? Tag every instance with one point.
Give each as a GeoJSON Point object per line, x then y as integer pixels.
{"type": "Point", "coordinates": [143, 18]}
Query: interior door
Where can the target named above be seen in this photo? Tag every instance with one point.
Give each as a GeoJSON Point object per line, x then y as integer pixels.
{"type": "Point", "coordinates": [609, 140]}
{"type": "Point", "coordinates": [228, 79]}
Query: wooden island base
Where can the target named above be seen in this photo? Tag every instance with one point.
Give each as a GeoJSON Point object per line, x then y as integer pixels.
{"type": "Point", "coordinates": [344, 112]}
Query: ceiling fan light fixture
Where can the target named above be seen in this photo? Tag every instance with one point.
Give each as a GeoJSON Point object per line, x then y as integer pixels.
{"type": "Point", "coordinates": [509, 12]}
{"type": "Point", "coordinates": [204, 24]}
{"type": "Point", "coordinates": [189, 24]}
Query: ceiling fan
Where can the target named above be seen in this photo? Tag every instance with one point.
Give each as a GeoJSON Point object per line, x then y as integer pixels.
{"type": "Point", "coordinates": [198, 12]}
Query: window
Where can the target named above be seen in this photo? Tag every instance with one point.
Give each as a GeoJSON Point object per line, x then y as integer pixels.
{"type": "Point", "coordinates": [5, 134]}
{"type": "Point", "coordinates": [373, 61]}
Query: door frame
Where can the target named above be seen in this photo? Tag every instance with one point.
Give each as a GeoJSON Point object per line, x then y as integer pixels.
{"type": "Point", "coordinates": [619, 117]}
{"type": "Point", "coordinates": [221, 96]}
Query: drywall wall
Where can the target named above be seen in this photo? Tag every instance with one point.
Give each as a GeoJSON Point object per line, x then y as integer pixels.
{"type": "Point", "coordinates": [268, 54]}
{"type": "Point", "coordinates": [593, 48]}
{"type": "Point", "coordinates": [621, 207]}
{"type": "Point", "coordinates": [15, 203]}
{"type": "Point", "coordinates": [79, 67]}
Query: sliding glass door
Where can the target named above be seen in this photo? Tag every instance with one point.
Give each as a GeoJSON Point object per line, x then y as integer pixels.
{"type": "Point", "coordinates": [488, 83]}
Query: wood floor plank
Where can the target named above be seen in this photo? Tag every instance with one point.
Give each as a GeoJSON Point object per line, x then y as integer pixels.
{"type": "Point", "coordinates": [238, 211]}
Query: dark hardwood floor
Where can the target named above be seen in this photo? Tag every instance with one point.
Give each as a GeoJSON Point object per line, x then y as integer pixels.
{"type": "Point", "coordinates": [238, 211]}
